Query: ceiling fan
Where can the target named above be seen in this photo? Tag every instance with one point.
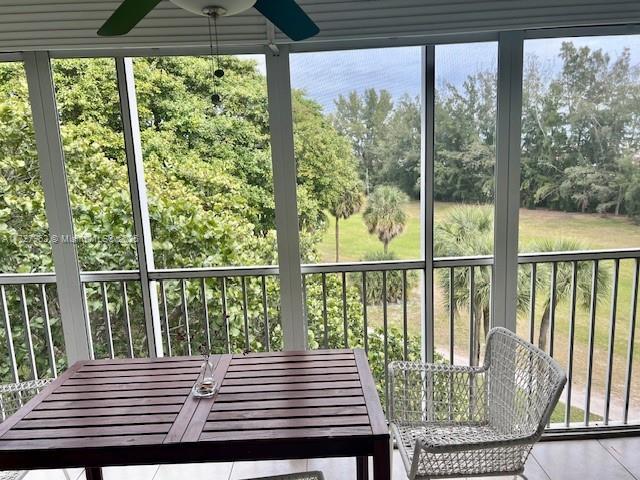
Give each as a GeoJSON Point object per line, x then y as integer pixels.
{"type": "Point", "coordinates": [284, 14]}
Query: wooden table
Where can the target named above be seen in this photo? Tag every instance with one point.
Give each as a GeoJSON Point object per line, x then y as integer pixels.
{"type": "Point", "coordinates": [281, 405]}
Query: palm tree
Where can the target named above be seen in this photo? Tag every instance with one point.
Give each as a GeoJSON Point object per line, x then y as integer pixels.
{"type": "Point", "coordinates": [563, 282]}
{"type": "Point", "coordinates": [468, 231]}
{"type": "Point", "coordinates": [347, 203]}
{"type": "Point", "coordinates": [384, 215]}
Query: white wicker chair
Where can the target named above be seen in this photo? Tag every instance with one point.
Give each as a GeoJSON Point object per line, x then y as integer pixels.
{"type": "Point", "coordinates": [12, 397]}
{"type": "Point", "coordinates": [453, 421]}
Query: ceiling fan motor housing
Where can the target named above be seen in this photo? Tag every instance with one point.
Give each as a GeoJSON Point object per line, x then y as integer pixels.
{"type": "Point", "coordinates": [219, 7]}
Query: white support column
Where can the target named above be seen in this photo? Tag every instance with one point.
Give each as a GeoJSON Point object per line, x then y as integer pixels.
{"type": "Point", "coordinates": [427, 147]}
{"type": "Point", "coordinates": [54, 183]}
{"type": "Point", "coordinates": [139, 206]}
{"type": "Point", "coordinates": [507, 200]}
{"type": "Point", "coordinates": [294, 323]}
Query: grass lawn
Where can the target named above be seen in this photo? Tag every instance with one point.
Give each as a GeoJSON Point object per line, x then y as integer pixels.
{"type": "Point", "coordinates": [593, 230]}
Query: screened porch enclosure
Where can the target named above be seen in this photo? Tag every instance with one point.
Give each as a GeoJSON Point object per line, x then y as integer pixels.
{"type": "Point", "coordinates": [230, 245]}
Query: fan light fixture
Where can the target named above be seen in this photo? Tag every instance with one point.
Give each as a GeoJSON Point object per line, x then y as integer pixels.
{"type": "Point", "coordinates": [221, 8]}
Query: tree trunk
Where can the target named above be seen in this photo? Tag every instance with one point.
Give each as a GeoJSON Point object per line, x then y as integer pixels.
{"type": "Point", "coordinates": [337, 241]}
{"type": "Point", "coordinates": [386, 247]}
{"type": "Point", "coordinates": [544, 325]}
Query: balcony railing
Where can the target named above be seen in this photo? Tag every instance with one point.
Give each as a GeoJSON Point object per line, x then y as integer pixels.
{"type": "Point", "coordinates": [374, 306]}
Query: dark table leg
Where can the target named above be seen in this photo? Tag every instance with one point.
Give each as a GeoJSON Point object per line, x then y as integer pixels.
{"type": "Point", "coordinates": [94, 473]}
{"type": "Point", "coordinates": [362, 468]}
{"type": "Point", "coordinates": [382, 460]}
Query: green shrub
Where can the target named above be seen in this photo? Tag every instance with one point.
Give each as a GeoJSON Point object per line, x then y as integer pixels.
{"type": "Point", "coordinates": [395, 289]}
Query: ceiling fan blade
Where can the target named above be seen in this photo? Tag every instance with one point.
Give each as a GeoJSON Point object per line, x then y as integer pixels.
{"type": "Point", "coordinates": [288, 17]}
{"type": "Point", "coordinates": [127, 16]}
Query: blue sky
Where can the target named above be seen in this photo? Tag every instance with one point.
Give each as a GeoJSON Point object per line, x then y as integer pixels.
{"type": "Point", "coordinates": [326, 75]}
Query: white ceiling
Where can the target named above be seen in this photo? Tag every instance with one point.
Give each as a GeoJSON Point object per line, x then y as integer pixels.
{"type": "Point", "coordinates": [71, 24]}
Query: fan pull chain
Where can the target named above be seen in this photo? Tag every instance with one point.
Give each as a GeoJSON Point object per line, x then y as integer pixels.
{"type": "Point", "coordinates": [214, 66]}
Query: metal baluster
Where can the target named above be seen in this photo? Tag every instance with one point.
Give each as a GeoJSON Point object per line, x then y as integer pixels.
{"type": "Point", "coordinates": [364, 312]}
{"type": "Point", "coordinates": [552, 311]}
{"type": "Point", "coordinates": [572, 325]}
{"type": "Point", "coordinates": [7, 326]}
{"type": "Point", "coordinates": [127, 317]}
{"type": "Point", "coordinates": [47, 332]}
{"type": "Point", "coordinates": [632, 332]}
{"type": "Point", "coordinates": [185, 313]}
{"type": "Point", "coordinates": [163, 295]}
{"type": "Point", "coordinates": [225, 313]}
{"type": "Point", "coordinates": [305, 306]}
{"type": "Point", "coordinates": [205, 313]}
{"type": "Point", "coordinates": [386, 340]}
{"type": "Point", "coordinates": [324, 310]}
{"type": "Point", "coordinates": [532, 302]}
{"type": "Point", "coordinates": [87, 321]}
{"type": "Point", "coordinates": [405, 319]}
{"type": "Point", "coordinates": [472, 326]}
{"type": "Point", "coordinates": [107, 318]}
{"type": "Point", "coordinates": [345, 320]}
{"type": "Point", "coordinates": [245, 312]}
{"type": "Point", "coordinates": [452, 302]}
{"type": "Point", "coordinates": [612, 338]}
{"type": "Point", "coordinates": [592, 334]}
{"type": "Point", "coordinates": [265, 306]}
{"type": "Point", "coordinates": [28, 338]}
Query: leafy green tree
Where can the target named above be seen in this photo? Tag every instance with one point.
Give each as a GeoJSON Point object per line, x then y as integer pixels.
{"type": "Point", "coordinates": [468, 231]}
{"type": "Point", "coordinates": [209, 182]}
{"type": "Point", "coordinates": [346, 204]}
{"type": "Point", "coordinates": [579, 130]}
{"type": "Point", "coordinates": [564, 281]}
{"type": "Point", "coordinates": [363, 119]}
{"type": "Point", "coordinates": [384, 215]}
{"type": "Point", "coordinates": [400, 150]}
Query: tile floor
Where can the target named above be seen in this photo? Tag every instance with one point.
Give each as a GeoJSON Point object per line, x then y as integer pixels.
{"type": "Point", "coordinates": [610, 459]}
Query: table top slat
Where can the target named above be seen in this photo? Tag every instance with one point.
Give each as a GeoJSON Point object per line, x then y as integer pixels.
{"type": "Point", "coordinates": [136, 373]}
{"type": "Point", "coordinates": [327, 393]}
{"type": "Point", "coordinates": [286, 403]}
{"type": "Point", "coordinates": [295, 422]}
{"type": "Point", "coordinates": [108, 402]}
{"type": "Point", "coordinates": [339, 377]}
{"type": "Point", "coordinates": [308, 411]}
{"type": "Point", "coordinates": [146, 367]}
{"type": "Point", "coordinates": [252, 360]}
{"type": "Point", "coordinates": [139, 360]}
{"type": "Point", "coordinates": [103, 412]}
{"type": "Point", "coordinates": [292, 366]}
{"type": "Point", "coordinates": [131, 394]}
{"type": "Point", "coordinates": [376, 415]}
{"type": "Point", "coordinates": [85, 432]}
{"type": "Point", "coordinates": [293, 353]}
{"type": "Point", "coordinates": [284, 433]}
{"type": "Point", "coordinates": [288, 387]}
{"type": "Point", "coordinates": [124, 380]}
{"type": "Point", "coordinates": [290, 371]}
{"type": "Point", "coordinates": [123, 387]}
{"type": "Point", "coordinates": [80, 443]}
{"type": "Point", "coordinates": [111, 420]}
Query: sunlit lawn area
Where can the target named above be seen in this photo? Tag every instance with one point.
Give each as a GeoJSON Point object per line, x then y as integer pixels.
{"type": "Point", "coordinates": [594, 231]}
